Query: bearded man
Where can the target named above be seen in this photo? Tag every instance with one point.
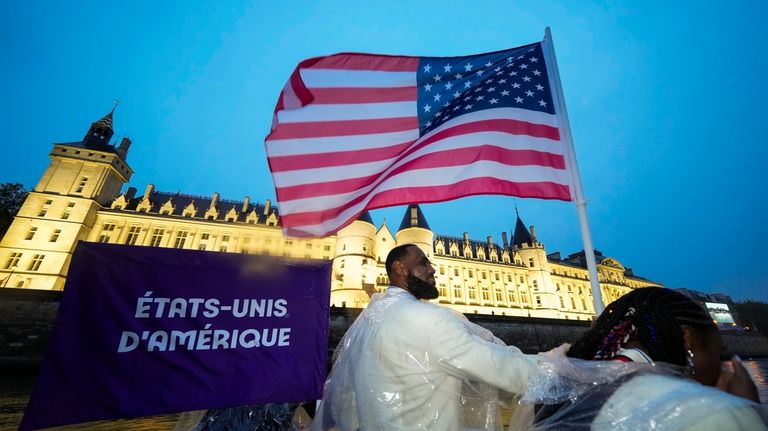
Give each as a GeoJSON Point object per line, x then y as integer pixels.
{"type": "Point", "coordinates": [408, 364]}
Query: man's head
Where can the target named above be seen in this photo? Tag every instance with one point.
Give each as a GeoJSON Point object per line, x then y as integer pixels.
{"type": "Point", "coordinates": [409, 268]}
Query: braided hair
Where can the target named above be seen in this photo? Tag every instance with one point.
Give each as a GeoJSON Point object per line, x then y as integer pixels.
{"type": "Point", "coordinates": [651, 315]}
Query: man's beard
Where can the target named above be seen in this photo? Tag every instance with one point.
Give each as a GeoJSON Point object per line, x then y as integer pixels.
{"type": "Point", "coordinates": [421, 289]}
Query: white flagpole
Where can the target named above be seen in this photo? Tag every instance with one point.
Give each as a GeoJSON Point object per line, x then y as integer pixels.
{"type": "Point", "coordinates": [581, 203]}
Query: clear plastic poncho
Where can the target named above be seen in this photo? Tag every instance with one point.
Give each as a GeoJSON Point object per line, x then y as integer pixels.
{"type": "Point", "coordinates": [575, 394]}
{"type": "Point", "coordinates": [408, 364]}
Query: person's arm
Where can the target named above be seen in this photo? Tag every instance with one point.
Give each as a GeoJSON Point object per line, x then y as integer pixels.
{"type": "Point", "coordinates": [464, 355]}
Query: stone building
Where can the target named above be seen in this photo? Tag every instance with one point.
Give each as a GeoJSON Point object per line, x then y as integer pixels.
{"type": "Point", "coordinates": [79, 198]}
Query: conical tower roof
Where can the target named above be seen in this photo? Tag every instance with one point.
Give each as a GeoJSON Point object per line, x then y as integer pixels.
{"type": "Point", "coordinates": [521, 235]}
{"type": "Point", "coordinates": [366, 217]}
{"type": "Point", "coordinates": [414, 217]}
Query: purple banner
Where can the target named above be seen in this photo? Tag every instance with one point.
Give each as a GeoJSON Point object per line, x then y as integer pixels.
{"type": "Point", "coordinates": [144, 331]}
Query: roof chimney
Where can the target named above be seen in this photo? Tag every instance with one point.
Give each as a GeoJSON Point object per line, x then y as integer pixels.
{"type": "Point", "coordinates": [490, 241]}
{"type": "Point", "coordinates": [246, 203]}
{"type": "Point", "coordinates": [267, 204]}
{"type": "Point", "coordinates": [504, 240]}
{"type": "Point", "coordinates": [130, 193]}
{"type": "Point", "coordinates": [214, 200]}
{"type": "Point", "coordinates": [533, 234]}
{"type": "Point", "coordinates": [122, 150]}
{"type": "Point", "coordinates": [148, 191]}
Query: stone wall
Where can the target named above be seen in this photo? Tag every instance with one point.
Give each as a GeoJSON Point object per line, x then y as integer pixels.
{"type": "Point", "coordinates": [27, 318]}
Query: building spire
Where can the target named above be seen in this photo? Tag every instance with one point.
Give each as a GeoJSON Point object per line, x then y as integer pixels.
{"type": "Point", "coordinates": [521, 235]}
{"type": "Point", "coordinates": [101, 132]}
{"type": "Point", "coordinates": [414, 217]}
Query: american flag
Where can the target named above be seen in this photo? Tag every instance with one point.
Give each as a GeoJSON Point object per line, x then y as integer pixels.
{"type": "Point", "coordinates": [357, 131]}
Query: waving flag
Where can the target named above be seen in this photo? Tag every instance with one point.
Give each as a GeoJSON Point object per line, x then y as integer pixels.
{"type": "Point", "coordinates": [357, 131]}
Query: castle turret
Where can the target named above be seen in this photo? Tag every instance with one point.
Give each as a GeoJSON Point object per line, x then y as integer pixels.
{"type": "Point", "coordinates": [539, 286]}
{"type": "Point", "coordinates": [414, 229]}
{"type": "Point", "coordinates": [354, 267]}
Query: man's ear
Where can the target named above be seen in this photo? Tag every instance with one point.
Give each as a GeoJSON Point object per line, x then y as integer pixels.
{"type": "Point", "coordinates": [400, 269]}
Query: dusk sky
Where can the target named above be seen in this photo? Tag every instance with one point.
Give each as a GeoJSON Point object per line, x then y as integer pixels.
{"type": "Point", "coordinates": [666, 103]}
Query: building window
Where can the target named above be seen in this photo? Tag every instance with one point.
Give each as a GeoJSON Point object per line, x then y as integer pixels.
{"type": "Point", "coordinates": [205, 236]}
{"type": "Point", "coordinates": [496, 275]}
{"type": "Point", "coordinates": [472, 294]}
{"type": "Point", "coordinates": [486, 293]}
{"type": "Point", "coordinates": [469, 273]}
{"type": "Point", "coordinates": [201, 246]}
{"type": "Point", "coordinates": [81, 186]}
{"type": "Point", "coordinates": [535, 284]}
{"type": "Point", "coordinates": [181, 239]}
{"type": "Point", "coordinates": [31, 233]}
{"type": "Point", "coordinates": [44, 209]}
{"type": "Point", "coordinates": [223, 248]}
{"type": "Point", "coordinates": [485, 275]}
{"type": "Point", "coordinates": [157, 236]}
{"type": "Point", "coordinates": [55, 235]}
{"type": "Point", "coordinates": [455, 272]}
{"type": "Point", "coordinates": [106, 232]}
{"type": "Point", "coordinates": [224, 238]}
{"type": "Point", "coordinates": [538, 301]}
{"type": "Point", "coordinates": [327, 248]}
{"type": "Point", "coordinates": [530, 262]}
{"type": "Point", "coordinates": [133, 235]}
{"type": "Point", "coordinates": [499, 295]}
{"type": "Point", "coordinates": [13, 260]}
{"type": "Point", "coordinates": [34, 265]}
{"type": "Point", "coordinates": [457, 292]}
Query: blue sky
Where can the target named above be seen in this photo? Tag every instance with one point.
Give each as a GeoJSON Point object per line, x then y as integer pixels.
{"type": "Point", "coordinates": [666, 103]}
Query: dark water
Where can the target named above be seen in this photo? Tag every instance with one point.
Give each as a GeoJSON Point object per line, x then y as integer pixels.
{"type": "Point", "coordinates": [15, 390]}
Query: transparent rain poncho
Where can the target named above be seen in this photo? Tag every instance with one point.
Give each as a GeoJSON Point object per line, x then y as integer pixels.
{"type": "Point", "coordinates": [575, 394]}
{"type": "Point", "coordinates": [408, 364]}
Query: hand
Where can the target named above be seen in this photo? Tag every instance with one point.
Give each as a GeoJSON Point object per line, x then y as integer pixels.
{"type": "Point", "coordinates": [738, 382]}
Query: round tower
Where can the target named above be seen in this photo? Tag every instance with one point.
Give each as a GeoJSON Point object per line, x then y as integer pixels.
{"type": "Point", "coordinates": [540, 288]}
{"type": "Point", "coordinates": [354, 265]}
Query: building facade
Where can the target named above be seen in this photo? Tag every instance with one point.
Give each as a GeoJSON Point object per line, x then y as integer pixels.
{"type": "Point", "coordinates": [79, 198]}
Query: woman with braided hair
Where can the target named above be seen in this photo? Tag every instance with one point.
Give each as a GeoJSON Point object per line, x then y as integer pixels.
{"type": "Point", "coordinates": [650, 361]}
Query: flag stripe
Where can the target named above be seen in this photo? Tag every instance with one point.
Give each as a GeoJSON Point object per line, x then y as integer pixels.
{"type": "Point", "coordinates": [343, 128]}
{"type": "Point", "coordinates": [328, 78]}
{"type": "Point", "coordinates": [385, 63]}
{"type": "Point", "coordinates": [347, 111]}
{"type": "Point", "coordinates": [277, 148]}
{"type": "Point", "coordinates": [363, 95]}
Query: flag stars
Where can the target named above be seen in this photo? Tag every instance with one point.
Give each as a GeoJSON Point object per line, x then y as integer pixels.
{"type": "Point", "coordinates": [536, 72]}
{"type": "Point", "coordinates": [428, 87]}
{"type": "Point", "coordinates": [427, 108]}
{"type": "Point", "coordinates": [497, 68]}
{"type": "Point", "coordinates": [523, 66]}
{"type": "Point", "coordinates": [513, 73]}
{"type": "Point", "coordinates": [502, 81]}
{"type": "Point", "coordinates": [479, 98]}
{"type": "Point", "coordinates": [505, 93]}
{"type": "Point", "coordinates": [534, 60]}
{"type": "Point", "coordinates": [467, 84]}
{"type": "Point", "coordinates": [489, 64]}
{"type": "Point", "coordinates": [427, 68]}
{"type": "Point", "coordinates": [458, 76]}
{"type": "Point", "coordinates": [468, 68]}
{"type": "Point", "coordinates": [491, 89]}
{"type": "Point", "coordinates": [542, 103]}
{"type": "Point", "coordinates": [519, 99]}
{"type": "Point", "coordinates": [437, 97]}
{"type": "Point", "coordinates": [529, 93]}
{"type": "Point", "coordinates": [479, 73]}
{"type": "Point", "coordinates": [526, 78]}
{"type": "Point", "coordinates": [516, 85]}
{"type": "Point", "coordinates": [427, 124]}
{"type": "Point", "coordinates": [456, 94]}
{"type": "Point", "coordinates": [493, 101]}
{"type": "Point", "coordinates": [467, 107]}
{"type": "Point", "coordinates": [438, 77]}
{"type": "Point", "coordinates": [447, 68]}
{"type": "Point", "coordinates": [539, 87]}
{"type": "Point", "coordinates": [449, 85]}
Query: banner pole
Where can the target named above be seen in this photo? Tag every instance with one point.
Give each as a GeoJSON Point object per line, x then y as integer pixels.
{"type": "Point", "coordinates": [581, 203]}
